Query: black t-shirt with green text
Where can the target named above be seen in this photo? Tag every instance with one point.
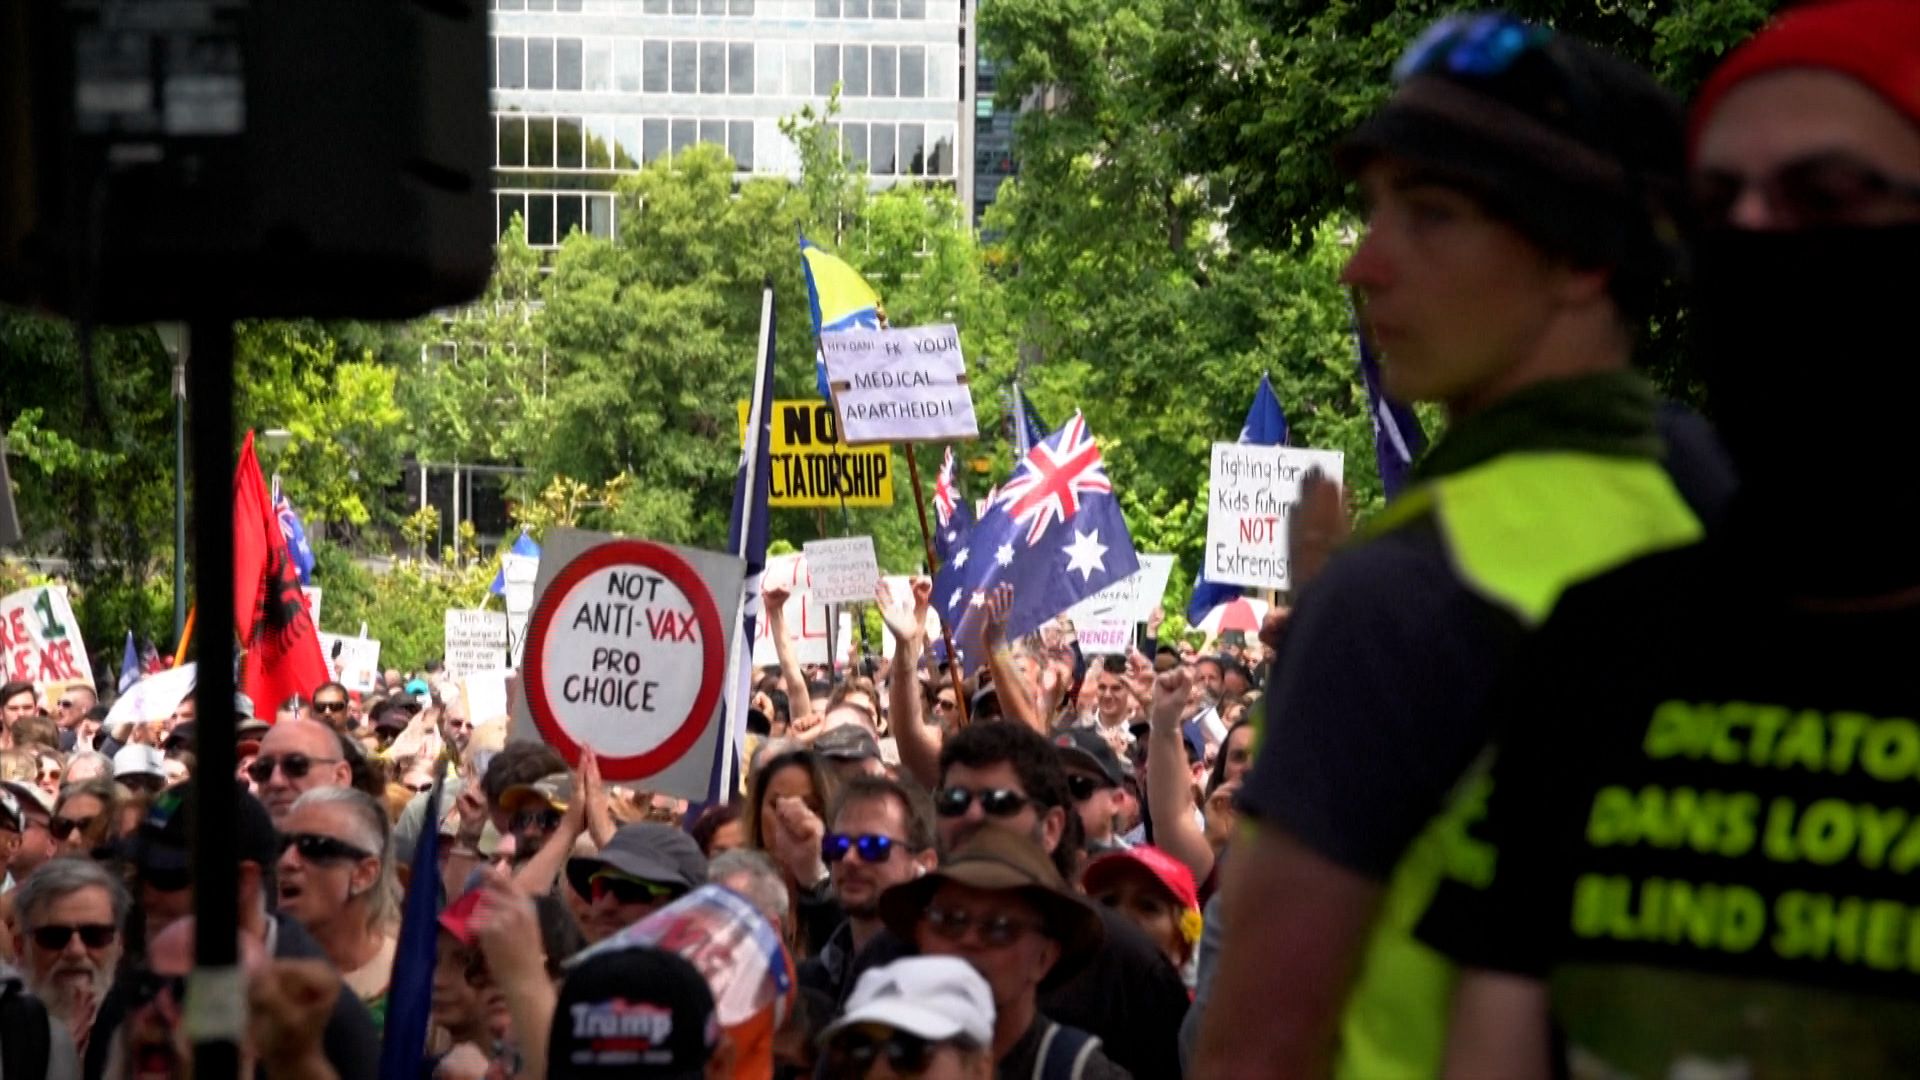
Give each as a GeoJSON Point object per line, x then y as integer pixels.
{"type": "Point", "coordinates": [1705, 804]}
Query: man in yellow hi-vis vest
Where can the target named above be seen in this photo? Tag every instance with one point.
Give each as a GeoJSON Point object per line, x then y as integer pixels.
{"type": "Point", "coordinates": [1520, 189]}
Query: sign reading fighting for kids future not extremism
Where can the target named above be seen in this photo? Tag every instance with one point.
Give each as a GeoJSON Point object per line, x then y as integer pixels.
{"type": "Point", "coordinates": [626, 655]}
{"type": "Point", "coordinates": [1249, 506]}
{"type": "Point", "coordinates": [900, 385]}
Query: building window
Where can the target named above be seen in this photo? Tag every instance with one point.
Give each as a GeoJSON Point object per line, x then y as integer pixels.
{"type": "Point", "coordinates": [740, 144]}
{"type": "Point", "coordinates": [512, 5]}
{"type": "Point", "coordinates": [942, 163]}
{"type": "Point", "coordinates": [913, 9]}
{"type": "Point", "coordinates": [826, 9]}
{"type": "Point", "coordinates": [513, 142]}
{"type": "Point", "coordinates": [539, 5]}
{"type": "Point", "coordinates": [598, 77]}
{"type": "Point", "coordinates": [713, 67]}
{"type": "Point", "coordinates": [715, 132]}
{"type": "Point", "coordinates": [685, 134]}
{"type": "Point", "coordinates": [540, 220]}
{"type": "Point", "coordinates": [880, 154]}
{"type": "Point", "coordinates": [740, 7]}
{"type": "Point", "coordinates": [858, 9]}
{"type": "Point", "coordinates": [655, 7]}
{"type": "Point", "coordinates": [913, 71]}
{"type": "Point", "coordinates": [853, 73]}
{"type": "Point", "coordinates": [886, 9]}
{"type": "Point", "coordinates": [539, 63]}
{"type": "Point", "coordinates": [600, 215]}
{"type": "Point", "coordinates": [540, 142]}
{"type": "Point", "coordinates": [626, 144]}
{"type": "Point", "coordinates": [653, 140]}
{"type": "Point", "coordinates": [566, 5]}
{"type": "Point", "coordinates": [740, 67]}
{"type": "Point", "coordinates": [713, 7]}
{"type": "Point", "coordinates": [598, 146]}
{"type": "Point", "coordinates": [513, 63]}
{"type": "Point", "coordinates": [569, 214]}
{"type": "Point", "coordinates": [656, 67]}
{"type": "Point", "coordinates": [511, 206]}
{"type": "Point", "coordinates": [566, 64]}
{"type": "Point", "coordinates": [686, 67]}
{"type": "Point", "coordinates": [913, 138]}
{"type": "Point", "coordinates": [885, 71]}
{"type": "Point", "coordinates": [826, 68]}
{"type": "Point", "coordinates": [856, 138]}
{"type": "Point", "coordinates": [686, 7]}
{"type": "Point", "coordinates": [626, 65]}
{"type": "Point", "coordinates": [569, 143]}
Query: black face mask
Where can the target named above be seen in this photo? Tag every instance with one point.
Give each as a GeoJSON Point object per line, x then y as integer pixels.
{"type": "Point", "coordinates": [1809, 345]}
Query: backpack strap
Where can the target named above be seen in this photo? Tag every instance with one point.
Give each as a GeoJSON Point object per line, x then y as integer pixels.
{"type": "Point", "coordinates": [1064, 1053]}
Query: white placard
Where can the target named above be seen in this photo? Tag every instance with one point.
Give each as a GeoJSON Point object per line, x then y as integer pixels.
{"type": "Point", "coordinates": [154, 698]}
{"type": "Point", "coordinates": [354, 661]}
{"type": "Point", "coordinates": [1131, 599]}
{"type": "Point", "coordinates": [40, 639]}
{"type": "Point", "coordinates": [1103, 637]}
{"type": "Point", "coordinates": [520, 572]}
{"type": "Point", "coordinates": [1254, 491]}
{"type": "Point", "coordinates": [844, 571]}
{"type": "Point", "coordinates": [485, 696]}
{"type": "Point", "coordinates": [905, 385]}
{"type": "Point", "coordinates": [626, 655]}
{"type": "Point", "coordinates": [476, 641]}
{"type": "Point", "coordinates": [806, 619]}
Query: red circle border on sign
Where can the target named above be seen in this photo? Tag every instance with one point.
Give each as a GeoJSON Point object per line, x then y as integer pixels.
{"type": "Point", "coordinates": [676, 570]}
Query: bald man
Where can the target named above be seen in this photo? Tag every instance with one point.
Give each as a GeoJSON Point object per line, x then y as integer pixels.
{"type": "Point", "coordinates": [296, 757]}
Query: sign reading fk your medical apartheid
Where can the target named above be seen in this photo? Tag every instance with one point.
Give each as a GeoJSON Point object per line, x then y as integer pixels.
{"type": "Point", "coordinates": [811, 467]}
{"type": "Point", "coordinates": [900, 385]}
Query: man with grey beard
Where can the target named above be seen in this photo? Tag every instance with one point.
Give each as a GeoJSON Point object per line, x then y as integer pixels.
{"type": "Point", "coordinates": [69, 916]}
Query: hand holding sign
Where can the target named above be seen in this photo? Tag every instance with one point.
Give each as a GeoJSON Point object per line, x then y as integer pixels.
{"type": "Point", "coordinates": [1322, 521]}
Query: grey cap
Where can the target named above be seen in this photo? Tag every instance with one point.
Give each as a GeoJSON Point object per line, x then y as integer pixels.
{"type": "Point", "coordinates": [242, 706]}
{"type": "Point", "coordinates": [847, 742]}
{"type": "Point", "coordinates": [648, 851]}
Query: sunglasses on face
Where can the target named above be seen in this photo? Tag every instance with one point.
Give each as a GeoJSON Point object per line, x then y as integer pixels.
{"type": "Point", "coordinates": [995, 930]}
{"type": "Point", "coordinates": [63, 827]}
{"type": "Point", "coordinates": [997, 802]}
{"type": "Point", "coordinates": [854, 1053]}
{"type": "Point", "coordinates": [54, 937]}
{"type": "Point", "coordinates": [147, 986]}
{"type": "Point", "coordinates": [315, 848]}
{"type": "Point", "coordinates": [626, 890]}
{"type": "Point", "coordinates": [544, 820]}
{"type": "Point", "coordinates": [1082, 787]}
{"type": "Point", "coordinates": [329, 706]}
{"type": "Point", "coordinates": [295, 766]}
{"type": "Point", "coordinates": [943, 703]}
{"type": "Point", "coordinates": [873, 847]}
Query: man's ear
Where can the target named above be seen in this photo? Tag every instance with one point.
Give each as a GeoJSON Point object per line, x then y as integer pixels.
{"type": "Point", "coordinates": [1053, 826]}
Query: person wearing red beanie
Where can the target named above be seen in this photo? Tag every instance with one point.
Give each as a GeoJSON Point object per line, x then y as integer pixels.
{"type": "Point", "coordinates": [1703, 827]}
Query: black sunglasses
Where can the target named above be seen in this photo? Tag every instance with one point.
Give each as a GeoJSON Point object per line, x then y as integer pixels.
{"type": "Point", "coordinates": [296, 766]}
{"type": "Point", "coordinates": [146, 986]}
{"type": "Point", "coordinates": [997, 802]}
{"type": "Point", "coordinates": [873, 847]}
{"type": "Point", "coordinates": [329, 706]}
{"type": "Point", "coordinates": [1082, 786]}
{"type": "Point", "coordinates": [544, 820]}
{"type": "Point", "coordinates": [166, 880]}
{"type": "Point", "coordinates": [54, 937]}
{"type": "Point", "coordinates": [995, 930]}
{"type": "Point", "coordinates": [63, 827]}
{"type": "Point", "coordinates": [853, 1053]}
{"type": "Point", "coordinates": [315, 848]}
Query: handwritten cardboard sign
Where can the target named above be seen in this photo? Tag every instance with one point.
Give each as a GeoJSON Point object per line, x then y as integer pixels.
{"type": "Point", "coordinates": [40, 639]}
{"type": "Point", "coordinates": [1253, 493]}
{"type": "Point", "coordinates": [900, 385]}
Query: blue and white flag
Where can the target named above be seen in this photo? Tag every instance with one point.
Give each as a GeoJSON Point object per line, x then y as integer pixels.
{"type": "Point", "coordinates": [524, 545]}
{"type": "Point", "coordinates": [747, 534]}
{"type": "Point", "coordinates": [1052, 537]}
{"type": "Point", "coordinates": [1398, 439]}
{"type": "Point", "coordinates": [1266, 426]}
{"type": "Point", "coordinates": [295, 534]}
{"type": "Point", "coordinates": [129, 665]}
{"type": "Point", "coordinates": [403, 1043]}
{"type": "Point", "coordinates": [1025, 429]}
{"type": "Point", "coordinates": [953, 513]}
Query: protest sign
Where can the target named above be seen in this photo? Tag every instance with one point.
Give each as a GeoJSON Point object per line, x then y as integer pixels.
{"type": "Point", "coordinates": [40, 639]}
{"type": "Point", "coordinates": [1101, 637]}
{"type": "Point", "coordinates": [520, 572]}
{"type": "Point", "coordinates": [1131, 599]}
{"type": "Point", "coordinates": [844, 571]}
{"type": "Point", "coordinates": [626, 655]}
{"type": "Point", "coordinates": [354, 661]}
{"type": "Point", "coordinates": [154, 698]}
{"type": "Point", "coordinates": [484, 693]}
{"type": "Point", "coordinates": [811, 467]}
{"type": "Point", "coordinates": [901, 385]}
{"type": "Point", "coordinates": [476, 641]}
{"type": "Point", "coordinates": [1254, 491]}
{"type": "Point", "coordinates": [806, 618]}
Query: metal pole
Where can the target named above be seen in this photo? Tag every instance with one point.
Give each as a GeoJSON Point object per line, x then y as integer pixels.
{"type": "Point", "coordinates": [180, 490]}
{"type": "Point", "coordinates": [216, 1006]}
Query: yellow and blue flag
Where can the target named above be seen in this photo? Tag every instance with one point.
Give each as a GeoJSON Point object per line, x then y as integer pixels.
{"type": "Point", "coordinates": [839, 298]}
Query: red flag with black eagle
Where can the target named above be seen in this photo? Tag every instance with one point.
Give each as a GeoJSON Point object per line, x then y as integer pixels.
{"type": "Point", "coordinates": [281, 642]}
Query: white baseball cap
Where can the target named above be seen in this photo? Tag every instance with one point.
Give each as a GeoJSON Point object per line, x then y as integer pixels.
{"type": "Point", "coordinates": [137, 759]}
{"type": "Point", "coordinates": [934, 997]}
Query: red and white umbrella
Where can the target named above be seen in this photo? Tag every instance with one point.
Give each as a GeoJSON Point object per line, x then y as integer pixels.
{"type": "Point", "coordinates": [1239, 613]}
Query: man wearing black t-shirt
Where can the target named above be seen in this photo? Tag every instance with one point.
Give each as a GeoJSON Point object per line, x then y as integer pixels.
{"type": "Point", "coordinates": [1705, 834]}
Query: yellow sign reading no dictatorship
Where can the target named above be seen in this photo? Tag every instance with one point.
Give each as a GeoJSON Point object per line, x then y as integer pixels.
{"type": "Point", "coordinates": [812, 467]}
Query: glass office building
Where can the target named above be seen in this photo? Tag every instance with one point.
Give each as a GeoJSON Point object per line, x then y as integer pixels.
{"type": "Point", "coordinates": [585, 90]}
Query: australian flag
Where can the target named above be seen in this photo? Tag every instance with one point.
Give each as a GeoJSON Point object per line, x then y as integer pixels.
{"type": "Point", "coordinates": [1052, 537]}
{"type": "Point", "coordinates": [295, 535]}
{"type": "Point", "coordinates": [953, 512]}
{"type": "Point", "coordinates": [1266, 426]}
{"type": "Point", "coordinates": [1397, 437]}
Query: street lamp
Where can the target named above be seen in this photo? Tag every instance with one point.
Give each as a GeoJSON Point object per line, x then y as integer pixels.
{"type": "Point", "coordinates": [173, 337]}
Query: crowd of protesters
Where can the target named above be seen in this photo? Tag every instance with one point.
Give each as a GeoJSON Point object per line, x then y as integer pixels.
{"type": "Point", "coordinates": [1347, 844]}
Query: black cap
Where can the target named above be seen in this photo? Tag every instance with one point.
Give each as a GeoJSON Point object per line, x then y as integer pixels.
{"type": "Point", "coordinates": [182, 735]}
{"type": "Point", "coordinates": [640, 1012]}
{"type": "Point", "coordinates": [647, 851]}
{"type": "Point", "coordinates": [1089, 749]}
{"type": "Point", "coordinates": [165, 838]}
{"type": "Point", "coordinates": [847, 742]}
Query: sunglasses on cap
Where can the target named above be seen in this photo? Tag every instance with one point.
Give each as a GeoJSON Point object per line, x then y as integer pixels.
{"type": "Point", "coordinates": [296, 766]}
{"type": "Point", "coordinates": [627, 890]}
{"type": "Point", "coordinates": [54, 936]}
{"type": "Point", "coordinates": [1082, 787]}
{"type": "Point", "coordinates": [854, 1052]}
{"type": "Point", "coordinates": [996, 930]}
{"type": "Point", "coordinates": [997, 802]}
{"type": "Point", "coordinates": [315, 848]}
{"type": "Point", "coordinates": [63, 827]}
{"type": "Point", "coordinates": [873, 847]}
{"type": "Point", "coordinates": [545, 820]}
{"type": "Point", "coordinates": [1482, 45]}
